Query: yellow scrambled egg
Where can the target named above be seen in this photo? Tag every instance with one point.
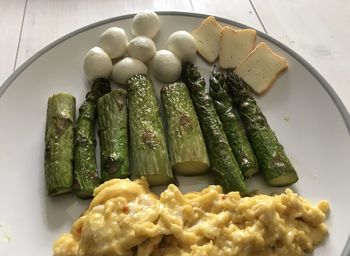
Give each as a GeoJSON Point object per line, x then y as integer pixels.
{"type": "Point", "coordinates": [126, 219]}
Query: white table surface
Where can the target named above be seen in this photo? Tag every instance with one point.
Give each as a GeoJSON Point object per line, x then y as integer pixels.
{"type": "Point", "coordinates": [317, 30]}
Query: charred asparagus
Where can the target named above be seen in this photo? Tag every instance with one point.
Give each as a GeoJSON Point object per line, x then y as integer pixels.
{"type": "Point", "coordinates": [273, 161]}
{"type": "Point", "coordinates": [149, 154]}
{"type": "Point", "coordinates": [188, 153]}
{"type": "Point", "coordinates": [232, 124]}
{"type": "Point", "coordinates": [113, 134]}
{"type": "Point", "coordinates": [223, 163]}
{"type": "Point", "coordinates": [85, 169]}
{"type": "Point", "coordinates": [59, 143]}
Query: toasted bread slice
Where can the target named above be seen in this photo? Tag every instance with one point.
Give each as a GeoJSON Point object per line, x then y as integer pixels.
{"type": "Point", "coordinates": [261, 68]}
{"type": "Point", "coordinates": [235, 45]}
{"type": "Point", "coordinates": [207, 38]}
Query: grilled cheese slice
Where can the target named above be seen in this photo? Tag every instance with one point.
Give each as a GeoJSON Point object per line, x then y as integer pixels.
{"type": "Point", "coordinates": [235, 45]}
{"type": "Point", "coordinates": [261, 68]}
{"type": "Point", "coordinates": [207, 38]}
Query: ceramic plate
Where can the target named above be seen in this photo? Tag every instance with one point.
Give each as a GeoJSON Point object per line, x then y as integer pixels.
{"type": "Point", "coordinates": [306, 114]}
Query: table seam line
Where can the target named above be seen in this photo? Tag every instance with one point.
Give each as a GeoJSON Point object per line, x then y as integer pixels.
{"type": "Point", "coordinates": [259, 18]}
{"type": "Point", "coordinates": [191, 5]}
{"type": "Point", "coordinates": [20, 34]}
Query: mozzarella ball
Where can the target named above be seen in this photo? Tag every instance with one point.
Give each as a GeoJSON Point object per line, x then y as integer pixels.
{"type": "Point", "coordinates": [142, 48]}
{"type": "Point", "coordinates": [145, 23]}
{"type": "Point", "coordinates": [114, 41]}
{"type": "Point", "coordinates": [183, 45]}
{"type": "Point", "coordinates": [126, 68]}
{"type": "Point", "coordinates": [97, 64]}
{"type": "Point", "coordinates": [166, 66]}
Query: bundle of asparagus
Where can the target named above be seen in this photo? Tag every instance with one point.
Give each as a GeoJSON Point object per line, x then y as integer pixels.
{"type": "Point", "coordinates": [273, 161]}
{"type": "Point", "coordinates": [232, 124]}
{"type": "Point", "coordinates": [227, 137]}
{"type": "Point", "coordinates": [223, 163]}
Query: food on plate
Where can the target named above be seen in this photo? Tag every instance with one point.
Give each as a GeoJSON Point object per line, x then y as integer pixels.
{"type": "Point", "coordinates": [235, 45]}
{"type": "Point", "coordinates": [261, 67]}
{"type": "Point", "coordinates": [142, 48]}
{"type": "Point", "coordinates": [126, 68]}
{"type": "Point", "coordinates": [113, 133]}
{"type": "Point", "coordinates": [97, 64]}
{"type": "Point", "coordinates": [183, 45]}
{"type": "Point", "coordinates": [273, 161]}
{"type": "Point", "coordinates": [223, 164]}
{"type": "Point", "coordinates": [59, 143]}
{"type": "Point", "coordinates": [188, 153]}
{"type": "Point", "coordinates": [229, 135]}
{"type": "Point", "coordinates": [114, 41]}
{"type": "Point", "coordinates": [207, 38]}
{"type": "Point", "coordinates": [86, 177]}
{"type": "Point", "coordinates": [148, 149]}
{"type": "Point", "coordinates": [125, 218]}
{"type": "Point", "coordinates": [230, 154]}
{"type": "Point", "coordinates": [166, 66]}
{"type": "Point", "coordinates": [232, 124]}
{"type": "Point", "coordinates": [145, 23]}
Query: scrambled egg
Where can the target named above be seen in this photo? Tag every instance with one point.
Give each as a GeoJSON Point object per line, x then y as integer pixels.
{"type": "Point", "coordinates": [126, 219]}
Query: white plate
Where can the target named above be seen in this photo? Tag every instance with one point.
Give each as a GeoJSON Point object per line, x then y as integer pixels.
{"type": "Point", "coordinates": [306, 114]}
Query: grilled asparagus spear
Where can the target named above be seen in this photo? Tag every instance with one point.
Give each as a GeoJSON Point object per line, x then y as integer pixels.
{"type": "Point", "coordinates": [273, 161]}
{"type": "Point", "coordinates": [188, 153]}
{"type": "Point", "coordinates": [85, 170]}
{"type": "Point", "coordinates": [59, 144]}
{"type": "Point", "coordinates": [232, 124]}
{"type": "Point", "coordinates": [149, 154]}
{"type": "Point", "coordinates": [223, 163]}
{"type": "Point", "coordinates": [113, 134]}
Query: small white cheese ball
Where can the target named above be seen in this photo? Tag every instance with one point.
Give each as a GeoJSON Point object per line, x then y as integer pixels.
{"type": "Point", "coordinates": [97, 64]}
{"type": "Point", "coordinates": [145, 23]}
{"type": "Point", "coordinates": [166, 66]}
{"type": "Point", "coordinates": [114, 41]}
{"type": "Point", "coordinates": [126, 68]}
{"type": "Point", "coordinates": [142, 48]}
{"type": "Point", "coordinates": [183, 45]}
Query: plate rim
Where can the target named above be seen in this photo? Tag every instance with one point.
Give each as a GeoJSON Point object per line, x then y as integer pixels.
{"type": "Point", "coordinates": [330, 91]}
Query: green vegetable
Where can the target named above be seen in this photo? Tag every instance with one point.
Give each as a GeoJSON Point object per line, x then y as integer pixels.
{"type": "Point", "coordinates": [232, 123]}
{"type": "Point", "coordinates": [149, 155]}
{"type": "Point", "coordinates": [113, 133]}
{"type": "Point", "coordinates": [273, 161]}
{"type": "Point", "coordinates": [223, 163]}
{"type": "Point", "coordinates": [188, 153]}
{"type": "Point", "coordinates": [59, 144]}
{"type": "Point", "coordinates": [85, 169]}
